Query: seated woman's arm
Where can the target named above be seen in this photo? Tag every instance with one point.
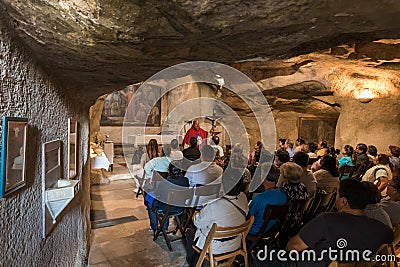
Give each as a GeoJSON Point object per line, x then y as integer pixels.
{"type": "Point", "coordinates": [148, 168]}
{"type": "Point", "coordinates": [383, 183]}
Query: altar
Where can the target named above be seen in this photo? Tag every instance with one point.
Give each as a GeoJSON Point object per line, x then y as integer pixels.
{"type": "Point", "coordinates": [99, 165]}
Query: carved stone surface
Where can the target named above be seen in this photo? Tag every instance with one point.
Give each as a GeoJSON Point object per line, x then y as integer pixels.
{"type": "Point", "coordinates": [104, 45]}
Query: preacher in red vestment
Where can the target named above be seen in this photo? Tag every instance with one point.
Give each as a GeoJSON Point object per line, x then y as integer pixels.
{"type": "Point", "coordinates": [196, 132]}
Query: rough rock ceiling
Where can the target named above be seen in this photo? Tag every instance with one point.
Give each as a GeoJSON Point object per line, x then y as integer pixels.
{"type": "Point", "coordinates": [99, 45]}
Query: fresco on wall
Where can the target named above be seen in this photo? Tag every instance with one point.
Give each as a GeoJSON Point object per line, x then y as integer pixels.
{"type": "Point", "coordinates": [116, 107]}
{"type": "Point", "coordinates": [317, 128]}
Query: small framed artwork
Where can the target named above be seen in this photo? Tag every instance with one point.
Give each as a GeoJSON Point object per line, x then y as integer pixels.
{"type": "Point", "coordinates": [314, 129]}
{"type": "Point", "coordinates": [72, 147]}
{"type": "Point", "coordinates": [13, 154]}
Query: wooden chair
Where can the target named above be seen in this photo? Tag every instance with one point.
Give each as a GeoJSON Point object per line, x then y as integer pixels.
{"type": "Point", "coordinates": [323, 202]}
{"type": "Point", "coordinates": [346, 172]}
{"type": "Point", "coordinates": [308, 207]}
{"type": "Point", "coordinates": [141, 181]}
{"type": "Point", "coordinates": [271, 212]}
{"type": "Point", "coordinates": [157, 178]}
{"type": "Point", "coordinates": [292, 222]}
{"type": "Point", "coordinates": [210, 190]}
{"type": "Point", "coordinates": [217, 232]}
{"type": "Point", "coordinates": [179, 199]}
{"type": "Point", "coordinates": [387, 250]}
{"type": "Point", "coordinates": [360, 169]}
{"type": "Point", "coordinates": [327, 202]}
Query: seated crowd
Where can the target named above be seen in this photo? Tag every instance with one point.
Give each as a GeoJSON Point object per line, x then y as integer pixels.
{"type": "Point", "coordinates": [329, 195]}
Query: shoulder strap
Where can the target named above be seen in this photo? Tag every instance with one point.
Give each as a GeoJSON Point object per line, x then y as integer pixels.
{"type": "Point", "coordinates": [236, 206]}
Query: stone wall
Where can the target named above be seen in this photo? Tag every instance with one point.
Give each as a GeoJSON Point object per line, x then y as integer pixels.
{"type": "Point", "coordinates": [323, 84]}
{"type": "Point", "coordinates": [26, 91]}
{"type": "Point", "coordinates": [376, 122]}
{"type": "Point", "coordinates": [169, 102]}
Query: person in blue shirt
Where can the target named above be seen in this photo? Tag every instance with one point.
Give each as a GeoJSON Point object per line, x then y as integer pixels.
{"type": "Point", "coordinates": [347, 154]}
{"type": "Point", "coordinates": [272, 195]}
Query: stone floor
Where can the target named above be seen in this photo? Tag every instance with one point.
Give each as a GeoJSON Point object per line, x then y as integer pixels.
{"type": "Point", "coordinates": [121, 236]}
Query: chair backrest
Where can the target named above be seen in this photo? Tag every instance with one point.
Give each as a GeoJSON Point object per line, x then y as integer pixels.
{"type": "Point", "coordinates": [294, 218]}
{"type": "Point", "coordinates": [159, 175]}
{"type": "Point", "coordinates": [332, 204]}
{"type": "Point", "coordinates": [187, 162]}
{"type": "Point", "coordinates": [224, 232]}
{"type": "Point", "coordinates": [325, 202]}
{"type": "Point", "coordinates": [346, 172]}
{"type": "Point", "coordinates": [307, 204]}
{"type": "Point", "coordinates": [274, 212]}
{"type": "Point", "coordinates": [271, 212]}
{"type": "Point", "coordinates": [157, 178]}
{"type": "Point", "coordinates": [309, 208]}
{"type": "Point", "coordinates": [180, 197]}
{"type": "Point", "coordinates": [203, 193]}
{"type": "Point", "coordinates": [217, 232]}
{"type": "Point", "coordinates": [360, 169]}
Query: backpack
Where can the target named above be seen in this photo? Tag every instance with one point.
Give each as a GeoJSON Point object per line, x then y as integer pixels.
{"type": "Point", "coordinates": [377, 181]}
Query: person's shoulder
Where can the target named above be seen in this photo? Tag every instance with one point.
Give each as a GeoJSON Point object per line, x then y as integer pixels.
{"type": "Point", "coordinates": [270, 194]}
{"type": "Point", "coordinates": [325, 218]}
{"type": "Point", "coordinates": [275, 192]}
{"type": "Point", "coordinates": [217, 167]}
{"type": "Point", "coordinates": [190, 169]}
{"type": "Point", "coordinates": [241, 198]}
{"type": "Point", "coordinates": [152, 160]}
{"type": "Point", "coordinates": [321, 173]}
{"type": "Point", "coordinates": [308, 175]}
{"type": "Point", "coordinates": [212, 203]}
{"type": "Point", "coordinates": [376, 225]}
{"type": "Point", "coordinates": [195, 167]}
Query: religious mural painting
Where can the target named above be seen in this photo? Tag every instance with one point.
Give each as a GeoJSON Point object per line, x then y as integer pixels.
{"type": "Point", "coordinates": [117, 107]}
{"type": "Point", "coordinates": [313, 129]}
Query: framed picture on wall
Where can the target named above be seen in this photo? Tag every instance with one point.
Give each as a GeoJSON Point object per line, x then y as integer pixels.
{"type": "Point", "coordinates": [13, 154]}
{"type": "Point", "coordinates": [313, 129]}
{"type": "Point", "coordinates": [72, 148]}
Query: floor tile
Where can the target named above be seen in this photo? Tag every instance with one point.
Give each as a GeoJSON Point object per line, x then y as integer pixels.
{"type": "Point", "coordinates": [128, 243]}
